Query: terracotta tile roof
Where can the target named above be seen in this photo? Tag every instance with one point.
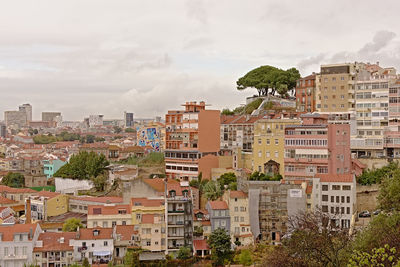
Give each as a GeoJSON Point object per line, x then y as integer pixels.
{"type": "Point", "coordinates": [53, 241]}
{"type": "Point", "coordinates": [126, 231]}
{"type": "Point", "coordinates": [51, 225]}
{"type": "Point", "coordinates": [237, 194]}
{"type": "Point", "coordinates": [7, 231]}
{"type": "Point", "coordinates": [218, 205]}
{"type": "Point", "coordinates": [48, 194]}
{"type": "Point", "coordinates": [200, 244]}
{"type": "Point", "coordinates": [108, 209]}
{"type": "Point", "coordinates": [89, 233]}
{"type": "Point", "coordinates": [158, 183]}
{"type": "Point", "coordinates": [147, 202]}
{"type": "Point", "coordinates": [339, 178]}
{"type": "Point", "coordinates": [4, 188]}
{"type": "Point", "coordinates": [98, 145]}
{"type": "Point", "coordinates": [134, 149]}
{"type": "Point", "coordinates": [4, 200]}
{"type": "Point", "coordinates": [195, 211]}
{"type": "Point", "coordinates": [114, 147]}
{"type": "Point", "coordinates": [100, 199]}
{"type": "Point", "coordinates": [148, 218]}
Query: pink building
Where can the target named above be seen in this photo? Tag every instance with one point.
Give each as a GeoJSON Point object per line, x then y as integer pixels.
{"type": "Point", "coordinates": [316, 147]}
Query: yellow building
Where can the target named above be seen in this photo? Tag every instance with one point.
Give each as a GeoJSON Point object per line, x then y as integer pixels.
{"type": "Point", "coordinates": [269, 142]}
{"type": "Point", "coordinates": [47, 204]}
{"type": "Point", "coordinates": [149, 217]}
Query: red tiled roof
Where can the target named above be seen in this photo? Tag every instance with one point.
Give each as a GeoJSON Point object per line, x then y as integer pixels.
{"type": "Point", "coordinates": [237, 194]}
{"type": "Point", "coordinates": [147, 202]}
{"type": "Point", "coordinates": [158, 183]}
{"type": "Point", "coordinates": [98, 145]}
{"type": "Point", "coordinates": [200, 245]}
{"type": "Point", "coordinates": [52, 241]}
{"type": "Point", "coordinates": [148, 218]}
{"type": "Point", "coordinates": [339, 178]}
{"type": "Point", "coordinates": [7, 231]}
{"type": "Point", "coordinates": [4, 188]}
{"type": "Point", "coordinates": [48, 194]}
{"type": "Point", "coordinates": [4, 200]}
{"type": "Point", "coordinates": [126, 231]}
{"type": "Point", "coordinates": [218, 205]}
{"type": "Point", "coordinates": [100, 199]}
{"type": "Point", "coordinates": [108, 210]}
{"type": "Point", "coordinates": [88, 233]}
{"type": "Point", "coordinates": [195, 211]}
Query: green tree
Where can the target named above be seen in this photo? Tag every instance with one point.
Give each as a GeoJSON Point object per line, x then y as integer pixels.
{"type": "Point", "coordinates": [117, 129]}
{"type": "Point", "coordinates": [245, 257]}
{"type": "Point", "coordinates": [268, 80]}
{"type": "Point", "coordinates": [100, 182]}
{"type": "Point", "coordinates": [14, 180]}
{"type": "Point", "coordinates": [184, 253]}
{"type": "Point", "coordinates": [220, 245]}
{"type": "Point", "coordinates": [227, 111]}
{"type": "Point", "coordinates": [129, 130]}
{"type": "Point", "coordinates": [85, 263]}
{"type": "Point", "coordinates": [212, 190]}
{"type": "Point", "coordinates": [83, 166]}
{"type": "Point", "coordinates": [259, 176]}
{"type": "Point", "coordinates": [227, 179]}
{"type": "Point", "coordinates": [389, 191]}
{"type": "Point", "coordinates": [44, 139]}
{"type": "Point", "coordinates": [383, 256]}
{"type": "Point", "coordinates": [72, 224]}
{"type": "Point", "coordinates": [90, 138]}
{"type": "Point", "coordinates": [375, 176]}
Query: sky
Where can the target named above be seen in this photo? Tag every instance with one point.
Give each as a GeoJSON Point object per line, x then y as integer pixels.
{"type": "Point", "coordinates": [85, 57]}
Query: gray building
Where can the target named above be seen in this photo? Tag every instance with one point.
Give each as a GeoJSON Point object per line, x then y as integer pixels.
{"type": "Point", "coordinates": [27, 108]}
{"type": "Point", "coordinates": [3, 130]}
{"type": "Point", "coordinates": [271, 204]}
{"type": "Point", "coordinates": [219, 215]}
{"type": "Point", "coordinates": [50, 116]}
{"type": "Point", "coordinates": [128, 117]}
{"type": "Point", "coordinates": [15, 118]}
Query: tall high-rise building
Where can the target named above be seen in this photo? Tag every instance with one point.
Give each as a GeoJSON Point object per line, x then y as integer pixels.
{"type": "Point", "coordinates": [128, 118]}
{"type": "Point", "coordinates": [192, 141]}
{"type": "Point", "coordinates": [15, 118]}
{"type": "Point", "coordinates": [27, 108]}
{"type": "Point", "coordinates": [50, 116]}
{"type": "Point", "coordinates": [3, 130]}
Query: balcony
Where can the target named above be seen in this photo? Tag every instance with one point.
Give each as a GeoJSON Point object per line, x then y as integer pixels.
{"type": "Point", "coordinates": [82, 249]}
{"type": "Point", "coordinates": [176, 211]}
{"type": "Point", "coordinates": [15, 257]}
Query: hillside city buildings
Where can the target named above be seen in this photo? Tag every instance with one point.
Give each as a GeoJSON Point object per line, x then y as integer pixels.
{"type": "Point", "coordinates": [290, 155]}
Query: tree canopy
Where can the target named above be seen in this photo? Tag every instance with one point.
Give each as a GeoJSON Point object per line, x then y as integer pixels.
{"type": "Point", "coordinates": [259, 176]}
{"type": "Point", "coordinates": [268, 80]}
{"type": "Point", "coordinates": [375, 176]}
{"type": "Point", "coordinates": [72, 224]}
{"type": "Point", "coordinates": [83, 166]}
{"type": "Point", "coordinates": [220, 245]}
{"type": "Point", "coordinates": [14, 180]}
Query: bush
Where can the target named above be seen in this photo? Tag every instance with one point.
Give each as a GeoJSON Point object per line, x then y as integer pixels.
{"type": "Point", "coordinates": [14, 180]}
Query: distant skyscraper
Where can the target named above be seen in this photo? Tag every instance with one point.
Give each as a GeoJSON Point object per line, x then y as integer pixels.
{"type": "Point", "coordinates": [50, 116]}
{"type": "Point", "coordinates": [128, 117]}
{"type": "Point", "coordinates": [3, 130]}
{"type": "Point", "coordinates": [15, 118]}
{"type": "Point", "coordinates": [27, 108]}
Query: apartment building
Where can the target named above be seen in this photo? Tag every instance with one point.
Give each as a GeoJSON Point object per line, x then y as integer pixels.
{"type": "Point", "coordinates": [108, 215]}
{"type": "Point", "coordinates": [335, 91]}
{"type": "Point", "coordinates": [50, 116]}
{"type": "Point", "coordinates": [192, 141]}
{"type": "Point", "coordinates": [392, 133]}
{"type": "Point", "coordinates": [335, 194]}
{"type": "Point", "coordinates": [219, 215]}
{"type": "Point", "coordinates": [271, 203]}
{"type": "Point", "coordinates": [306, 94]}
{"type": "Point", "coordinates": [46, 204]}
{"type": "Point", "coordinates": [17, 242]}
{"type": "Point", "coordinates": [125, 236]}
{"type": "Point", "coordinates": [16, 119]}
{"type": "Point", "coordinates": [54, 249]}
{"type": "Point", "coordinates": [237, 131]}
{"type": "Point", "coordinates": [152, 230]}
{"type": "Point", "coordinates": [179, 216]}
{"type": "Point", "coordinates": [80, 203]}
{"type": "Point", "coordinates": [269, 140]}
{"type": "Point", "coordinates": [240, 231]}
{"type": "Point", "coordinates": [95, 244]}
{"type": "Point", "coordinates": [27, 109]}
{"type": "Point", "coordinates": [95, 120]}
{"type": "Point", "coordinates": [372, 110]}
{"type": "Point", "coordinates": [316, 147]}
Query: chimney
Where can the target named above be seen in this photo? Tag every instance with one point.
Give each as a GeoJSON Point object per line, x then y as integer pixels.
{"type": "Point", "coordinates": [28, 211]}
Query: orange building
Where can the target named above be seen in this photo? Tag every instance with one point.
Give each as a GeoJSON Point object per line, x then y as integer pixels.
{"type": "Point", "coordinates": [305, 94]}
{"type": "Point", "coordinates": [192, 141]}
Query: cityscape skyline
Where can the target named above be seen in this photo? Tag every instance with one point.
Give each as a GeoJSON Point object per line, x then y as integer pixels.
{"type": "Point", "coordinates": [72, 58]}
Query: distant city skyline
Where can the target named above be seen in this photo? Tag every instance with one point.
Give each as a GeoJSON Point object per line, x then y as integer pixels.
{"type": "Point", "coordinates": [149, 57]}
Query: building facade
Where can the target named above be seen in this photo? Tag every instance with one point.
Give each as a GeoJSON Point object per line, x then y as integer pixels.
{"type": "Point", "coordinates": [305, 94]}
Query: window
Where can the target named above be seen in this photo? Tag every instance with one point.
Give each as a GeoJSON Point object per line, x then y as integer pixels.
{"type": "Point", "coordinates": [337, 199]}
{"type": "Point", "coordinates": [236, 209]}
{"type": "Point", "coordinates": [276, 141]}
{"type": "Point", "coordinates": [325, 187]}
{"type": "Point", "coordinates": [236, 218]}
{"type": "Point", "coordinates": [348, 210]}
{"type": "Point", "coordinates": [267, 154]}
{"type": "Point", "coordinates": [259, 141]}
{"type": "Point", "coordinates": [325, 198]}
{"type": "Point", "coordinates": [324, 208]}
{"type": "Point", "coordinates": [332, 199]}
{"type": "Point", "coordinates": [241, 219]}
{"type": "Point", "coordinates": [148, 243]}
{"type": "Point", "coordinates": [335, 187]}
{"type": "Point", "coordinates": [268, 142]}
{"type": "Point", "coordinates": [346, 187]}
{"type": "Point", "coordinates": [105, 243]}
{"type": "Point", "coordinates": [242, 209]}
{"type": "Point", "coordinates": [342, 199]}
{"type": "Point", "coordinates": [342, 210]}
{"type": "Point", "coordinates": [276, 154]}
{"type": "Point", "coordinates": [105, 224]}
{"type": "Point", "coordinates": [348, 199]}
{"type": "Point", "coordinates": [332, 210]}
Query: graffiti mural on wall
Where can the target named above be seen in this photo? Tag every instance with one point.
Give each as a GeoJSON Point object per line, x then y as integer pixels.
{"type": "Point", "coordinates": [148, 136]}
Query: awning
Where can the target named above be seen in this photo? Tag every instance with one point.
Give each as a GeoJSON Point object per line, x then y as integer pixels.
{"type": "Point", "coordinates": [101, 253]}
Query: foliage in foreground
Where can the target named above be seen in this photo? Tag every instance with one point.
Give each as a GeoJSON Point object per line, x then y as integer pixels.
{"type": "Point", "coordinates": [13, 179]}
{"type": "Point", "coordinates": [375, 176]}
{"type": "Point", "coordinates": [220, 245]}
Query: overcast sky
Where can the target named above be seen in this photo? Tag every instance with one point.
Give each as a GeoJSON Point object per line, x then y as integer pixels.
{"type": "Point", "coordinates": [103, 57]}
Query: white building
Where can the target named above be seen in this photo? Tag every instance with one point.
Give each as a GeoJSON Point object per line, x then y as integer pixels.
{"type": "Point", "coordinates": [16, 244]}
{"type": "Point", "coordinates": [95, 120]}
{"type": "Point", "coordinates": [336, 195]}
{"type": "Point", "coordinates": [96, 244]}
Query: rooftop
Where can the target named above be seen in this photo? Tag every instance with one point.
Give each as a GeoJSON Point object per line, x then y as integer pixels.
{"type": "Point", "coordinates": [95, 233]}
{"type": "Point", "coordinates": [218, 205]}
{"type": "Point", "coordinates": [7, 231]}
{"type": "Point", "coordinates": [55, 241]}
